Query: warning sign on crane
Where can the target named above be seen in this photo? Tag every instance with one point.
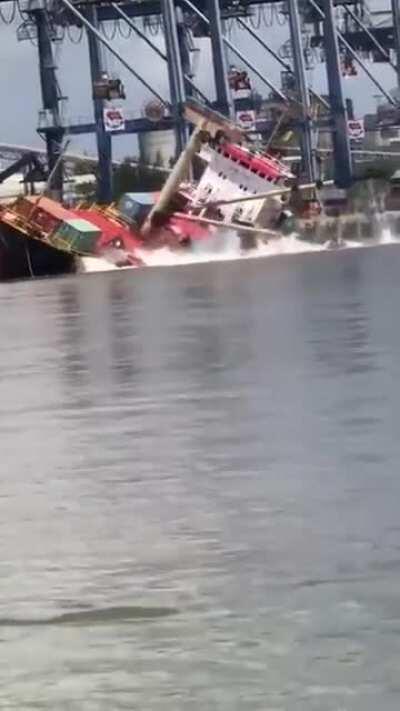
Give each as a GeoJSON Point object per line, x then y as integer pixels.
{"type": "Point", "coordinates": [114, 119]}
{"type": "Point", "coordinates": [246, 120]}
{"type": "Point", "coordinates": [356, 129]}
{"type": "Point", "coordinates": [239, 83]}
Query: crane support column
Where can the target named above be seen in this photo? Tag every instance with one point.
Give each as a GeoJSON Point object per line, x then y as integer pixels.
{"type": "Point", "coordinates": [104, 146]}
{"type": "Point", "coordinates": [53, 129]}
{"type": "Point", "coordinates": [223, 93]}
{"type": "Point", "coordinates": [302, 91]}
{"type": "Point", "coordinates": [396, 28]}
{"type": "Point", "coordinates": [340, 137]}
{"type": "Point", "coordinates": [183, 42]}
{"type": "Point", "coordinates": [175, 71]}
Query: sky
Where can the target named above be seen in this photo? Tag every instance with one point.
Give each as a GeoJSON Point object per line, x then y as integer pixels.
{"type": "Point", "coordinates": [20, 89]}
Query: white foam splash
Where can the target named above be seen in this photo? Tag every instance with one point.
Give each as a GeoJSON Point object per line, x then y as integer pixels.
{"type": "Point", "coordinates": [94, 264]}
{"type": "Point", "coordinates": [225, 247]}
{"type": "Point", "coordinates": [387, 237]}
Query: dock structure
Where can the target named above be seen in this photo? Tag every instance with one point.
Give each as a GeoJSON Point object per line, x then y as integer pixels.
{"type": "Point", "coordinates": [344, 30]}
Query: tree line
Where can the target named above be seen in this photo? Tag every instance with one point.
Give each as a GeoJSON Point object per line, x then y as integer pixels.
{"type": "Point", "coordinates": [131, 176]}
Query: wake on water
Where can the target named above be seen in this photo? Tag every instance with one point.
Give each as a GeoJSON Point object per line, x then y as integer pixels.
{"type": "Point", "coordinates": [226, 247]}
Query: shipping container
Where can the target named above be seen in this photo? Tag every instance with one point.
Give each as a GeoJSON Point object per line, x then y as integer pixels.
{"type": "Point", "coordinates": [113, 234]}
{"type": "Point", "coordinates": [134, 207]}
{"type": "Point", "coordinates": [77, 235]}
{"type": "Point", "coordinates": [44, 213]}
{"type": "Point", "coordinates": [52, 207]}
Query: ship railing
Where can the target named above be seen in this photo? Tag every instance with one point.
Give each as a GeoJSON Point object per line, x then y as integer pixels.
{"type": "Point", "coordinates": [246, 162]}
{"type": "Point", "coordinates": [26, 225]}
{"type": "Point", "coordinates": [23, 224]}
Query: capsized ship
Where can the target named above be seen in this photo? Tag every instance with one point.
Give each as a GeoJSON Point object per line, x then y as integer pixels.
{"type": "Point", "coordinates": [239, 188]}
{"type": "Point", "coordinates": [40, 237]}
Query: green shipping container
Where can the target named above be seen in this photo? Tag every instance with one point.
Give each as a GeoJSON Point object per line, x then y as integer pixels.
{"type": "Point", "coordinates": [77, 235]}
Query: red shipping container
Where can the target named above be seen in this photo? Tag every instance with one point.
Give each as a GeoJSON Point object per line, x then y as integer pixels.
{"type": "Point", "coordinates": [43, 212]}
{"type": "Point", "coordinates": [110, 231]}
{"type": "Point", "coordinates": [51, 207]}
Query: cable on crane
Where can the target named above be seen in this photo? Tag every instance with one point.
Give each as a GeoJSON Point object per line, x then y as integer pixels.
{"type": "Point", "coordinates": [153, 25]}
{"type": "Point", "coordinates": [124, 36]}
{"type": "Point", "coordinates": [78, 38]}
{"type": "Point", "coordinates": [9, 20]}
{"type": "Point", "coordinates": [22, 13]}
{"type": "Point", "coordinates": [256, 23]}
{"type": "Point", "coordinates": [268, 21]}
{"type": "Point", "coordinates": [280, 16]}
{"type": "Point", "coordinates": [110, 37]}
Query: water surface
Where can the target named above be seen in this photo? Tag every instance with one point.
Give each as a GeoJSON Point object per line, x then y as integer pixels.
{"type": "Point", "coordinates": [199, 502]}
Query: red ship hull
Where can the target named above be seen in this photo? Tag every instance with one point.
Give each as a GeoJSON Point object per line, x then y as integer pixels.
{"type": "Point", "coordinates": [29, 248]}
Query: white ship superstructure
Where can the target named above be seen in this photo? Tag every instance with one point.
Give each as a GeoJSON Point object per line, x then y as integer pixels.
{"type": "Point", "coordinates": [234, 171]}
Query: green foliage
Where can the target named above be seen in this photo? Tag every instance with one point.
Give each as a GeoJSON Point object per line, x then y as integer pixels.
{"type": "Point", "coordinates": [83, 167]}
{"type": "Point", "coordinates": [159, 161]}
{"type": "Point", "coordinates": [136, 178]}
{"type": "Point", "coordinates": [86, 191]}
{"type": "Point", "coordinates": [131, 176]}
{"type": "Point", "coordinates": [378, 172]}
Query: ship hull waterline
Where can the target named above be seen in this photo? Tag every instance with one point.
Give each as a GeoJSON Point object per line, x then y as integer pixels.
{"type": "Point", "coordinates": [23, 258]}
